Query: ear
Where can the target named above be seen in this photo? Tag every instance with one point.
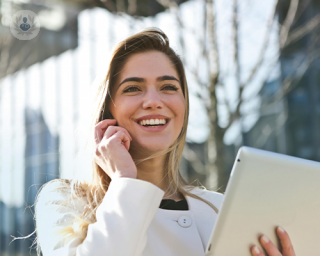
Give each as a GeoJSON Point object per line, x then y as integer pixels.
{"type": "Point", "coordinates": [108, 115]}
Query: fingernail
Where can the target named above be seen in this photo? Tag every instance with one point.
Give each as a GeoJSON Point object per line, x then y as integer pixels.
{"type": "Point", "coordinates": [265, 239]}
{"type": "Point", "coordinates": [281, 229]}
{"type": "Point", "coordinates": [256, 250]}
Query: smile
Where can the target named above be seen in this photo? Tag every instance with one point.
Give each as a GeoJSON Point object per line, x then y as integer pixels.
{"type": "Point", "coordinates": [153, 126]}
{"type": "Point", "coordinates": [153, 122]}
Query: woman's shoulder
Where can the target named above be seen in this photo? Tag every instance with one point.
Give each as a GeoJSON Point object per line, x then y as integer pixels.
{"type": "Point", "coordinates": [57, 194]}
{"type": "Point", "coordinates": [206, 193]}
{"type": "Point", "coordinates": [54, 190]}
{"type": "Point", "coordinates": [57, 185]}
{"type": "Point", "coordinates": [56, 209]}
{"type": "Point", "coordinates": [213, 197]}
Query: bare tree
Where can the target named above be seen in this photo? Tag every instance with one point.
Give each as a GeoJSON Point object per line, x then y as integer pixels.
{"type": "Point", "coordinates": [288, 34]}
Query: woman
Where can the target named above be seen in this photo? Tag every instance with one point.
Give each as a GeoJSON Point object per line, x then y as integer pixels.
{"type": "Point", "coordinates": [139, 133]}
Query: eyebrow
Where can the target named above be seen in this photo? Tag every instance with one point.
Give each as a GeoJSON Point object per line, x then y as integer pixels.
{"type": "Point", "coordinates": [140, 80]}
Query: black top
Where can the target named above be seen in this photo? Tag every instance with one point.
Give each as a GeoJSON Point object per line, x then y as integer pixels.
{"type": "Point", "coordinates": [170, 204]}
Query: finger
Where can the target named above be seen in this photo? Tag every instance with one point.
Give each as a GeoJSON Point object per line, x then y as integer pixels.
{"type": "Point", "coordinates": [255, 251]}
{"type": "Point", "coordinates": [114, 129]}
{"type": "Point", "coordinates": [270, 248]}
{"type": "Point", "coordinates": [287, 248]}
{"type": "Point", "coordinates": [123, 137]}
{"type": "Point", "coordinates": [100, 128]}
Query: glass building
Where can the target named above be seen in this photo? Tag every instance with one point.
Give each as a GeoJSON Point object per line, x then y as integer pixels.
{"type": "Point", "coordinates": [45, 109]}
{"type": "Point", "coordinates": [290, 121]}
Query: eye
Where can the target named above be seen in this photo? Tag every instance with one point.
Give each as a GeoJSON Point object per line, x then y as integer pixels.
{"type": "Point", "coordinates": [170, 88]}
{"type": "Point", "coordinates": [131, 89]}
{"type": "Point", "coordinates": [136, 89]}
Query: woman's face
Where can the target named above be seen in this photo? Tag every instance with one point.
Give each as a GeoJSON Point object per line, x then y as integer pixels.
{"type": "Point", "coordinates": [148, 101]}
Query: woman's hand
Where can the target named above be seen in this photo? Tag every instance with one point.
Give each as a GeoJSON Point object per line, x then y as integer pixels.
{"type": "Point", "coordinates": [111, 150]}
{"type": "Point", "coordinates": [271, 249]}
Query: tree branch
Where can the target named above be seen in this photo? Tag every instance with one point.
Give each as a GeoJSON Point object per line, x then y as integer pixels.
{"type": "Point", "coordinates": [213, 48]}
{"type": "Point", "coordinates": [284, 31]}
{"type": "Point", "coordinates": [132, 8]}
{"type": "Point", "coordinates": [173, 6]}
{"type": "Point", "coordinates": [303, 30]}
{"type": "Point", "coordinates": [267, 131]}
{"type": "Point", "coordinates": [263, 48]}
{"type": "Point", "coordinates": [236, 40]}
{"type": "Point", "coordinates": [198, 79]}
{"type": "Point", "coordinates": [235, 30]}
{"type": "Point", "coordinates": [302, 7]}
{"type": "Point", "coordinates": [193, 159]}
{"type": "Point", "coordinates": [291, 81]}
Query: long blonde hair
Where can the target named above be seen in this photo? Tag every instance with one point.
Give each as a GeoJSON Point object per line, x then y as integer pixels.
{"type": "Point", "coordinates": [94, 190]}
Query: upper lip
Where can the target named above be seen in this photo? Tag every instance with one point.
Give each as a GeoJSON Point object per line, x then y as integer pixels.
{"type": "Point", "coordinates": [152, 117]}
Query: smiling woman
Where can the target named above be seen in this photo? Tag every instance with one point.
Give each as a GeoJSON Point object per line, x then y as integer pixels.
{"type": "Point", "coordinates": [136, 202]}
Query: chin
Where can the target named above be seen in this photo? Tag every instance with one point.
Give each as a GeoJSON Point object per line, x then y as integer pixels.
{"type": "Point", "coordinates": [151, 147]}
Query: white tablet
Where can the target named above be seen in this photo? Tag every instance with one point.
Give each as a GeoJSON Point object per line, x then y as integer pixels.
{"type": "Point", "coordinates": [267, 190]}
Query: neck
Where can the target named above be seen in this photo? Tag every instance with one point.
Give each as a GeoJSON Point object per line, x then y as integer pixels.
{"type": "Point", "coordinates": [154, 171]}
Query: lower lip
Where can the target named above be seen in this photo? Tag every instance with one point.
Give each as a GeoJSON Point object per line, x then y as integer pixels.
{"type": "Point", "coordinates": [154, 129]}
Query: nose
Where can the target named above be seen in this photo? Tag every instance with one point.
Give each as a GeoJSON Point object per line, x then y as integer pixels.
{"type": "Point", "coordinates": [152, 100]}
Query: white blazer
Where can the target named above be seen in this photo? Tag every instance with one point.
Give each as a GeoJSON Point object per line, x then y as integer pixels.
{"type": "Point", "coordinates": [129, 223]}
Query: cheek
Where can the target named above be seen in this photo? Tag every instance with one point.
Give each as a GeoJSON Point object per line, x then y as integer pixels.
{"type": "Point", "coordinates": [123, 109]}
{"type": "Point", "coordinates": [178, 106]}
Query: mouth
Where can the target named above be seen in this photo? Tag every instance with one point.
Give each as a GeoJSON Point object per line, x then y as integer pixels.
{"type": "Point", "coordinates": [153, 127]}
{"type": "Point", "coordinates": [153, 122]}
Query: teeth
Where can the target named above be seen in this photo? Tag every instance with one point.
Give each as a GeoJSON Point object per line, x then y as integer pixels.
{"type": "Point", "coordinates": [153, 122]}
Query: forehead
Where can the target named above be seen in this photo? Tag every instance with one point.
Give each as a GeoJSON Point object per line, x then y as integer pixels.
{"type": "Point", "coordinates": [148, 65]}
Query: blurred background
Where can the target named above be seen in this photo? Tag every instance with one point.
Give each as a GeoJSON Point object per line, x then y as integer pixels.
{"type": "Point", "coordinates": [252, 67]}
